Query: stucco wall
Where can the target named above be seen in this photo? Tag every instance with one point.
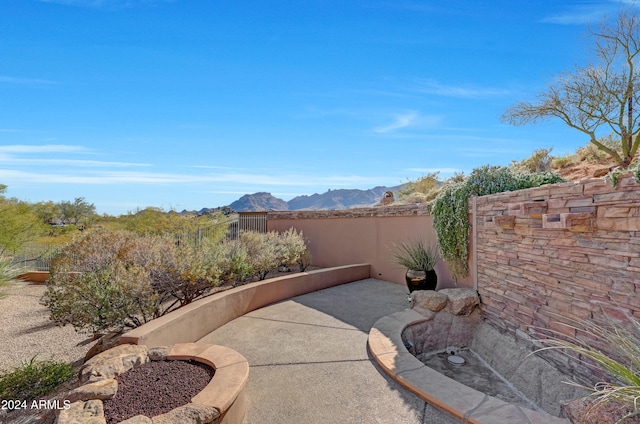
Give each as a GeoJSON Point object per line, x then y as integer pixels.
{"type": "Point", "coordinates": [363, 235]}
{"type": "Point", "coordinates": [559, 252]}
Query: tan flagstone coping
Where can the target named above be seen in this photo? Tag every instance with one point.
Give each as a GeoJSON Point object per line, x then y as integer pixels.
{"type": "Point", "coordinates": [226, 391]}
{"type": "Point", "coordinates": [462, 402]}
{"type": "Point", "coordinates": [195, 320]}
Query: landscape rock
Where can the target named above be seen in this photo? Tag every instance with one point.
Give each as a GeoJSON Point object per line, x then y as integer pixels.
{"type": "Point", "coordinates": [159, 353]}
{"type": "Point", "coordinates": [105, 342]}
{"type": "Point", "coordinates": [188, 414]}
{"type": "Point", "coordinates": [90, 412]}
{"type": "Point", "coordinates": [113, 362]}
{"type": "Point", "coordinates": [428, 299]}
{"type": "Point", "coordinates": [461, 301]}
{"type": "Point", "coordinates": [138, 419]}
{"type": "Point", "coordinates": [103, 389]}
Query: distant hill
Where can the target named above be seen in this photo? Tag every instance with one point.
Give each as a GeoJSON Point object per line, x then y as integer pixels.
{"type": "Point", "coordinates": [332, 199]}
{"type": "Point", "coordinates": [340, 199]}
{"type": "Point", "coordinates": [258, 202]}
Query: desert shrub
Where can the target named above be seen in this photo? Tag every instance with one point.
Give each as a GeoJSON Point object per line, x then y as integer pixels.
{"type": "Point", "coordinates": [187, 272]}
{"type": "Point", "coordinates": [266, 252]}
{"type": "Point", "coordinates": [559, 162]}
{"type": "Point", "coordinates": [34, 379]}
{"type": "Point", "coordinates": [117, 280]}
{"type": "Point", "coordinates": [263, 252]}
{"type": "Point", "coordinates": [539, 161]}
{"type": "Point", "coordinates": [422, 190]}
{"type": "Point", "coordinates": [450, 209]}
{"type": "Point", "coordinates": [591, 153]}
{"type": "Point", "coordinates": [236, 265]}
{"type": "Point", "coordinates": [113, 298]}
{"type": "Point", "coordinates": [291, 247]}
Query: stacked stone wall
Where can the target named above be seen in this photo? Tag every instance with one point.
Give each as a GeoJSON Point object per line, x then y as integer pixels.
{"type": "Point", "coordinates": [559, 253]}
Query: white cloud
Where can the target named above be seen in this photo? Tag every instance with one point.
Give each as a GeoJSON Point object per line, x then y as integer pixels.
{"type": "Point", "coordinates": [408, 119]}
{"type": "Point", "coordinates": [20, 80]}
{"type": "Point", "coordinates": [434, 87]}
{"type": "Point", "coordinates": [104, 3]}
{"type": "Point", "coordinates": [69, 162]}
{"type": "Point", "coordinates": [134, 177]}
{"type": "Point", "coordinates": [588, 12]}
{"type": "Point", "coordinates": [401, 121]}
{"type": "Point", "coordinates": [29, 155]}
{"type": "Point", "coordinates": [46, 148]}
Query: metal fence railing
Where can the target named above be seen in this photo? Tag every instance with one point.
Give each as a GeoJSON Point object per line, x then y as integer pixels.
{"type": "Point", "coordinates": [252, 221]}
{"type": "Point", "coordinates": [37, 257]}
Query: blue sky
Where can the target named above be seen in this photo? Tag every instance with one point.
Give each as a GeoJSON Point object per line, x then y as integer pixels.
{"type": "Point", "coordinates": [184, 104]}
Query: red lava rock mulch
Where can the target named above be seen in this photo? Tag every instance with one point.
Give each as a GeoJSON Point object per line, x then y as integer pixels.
{"type": "Point", "coordinates": [155, 388]}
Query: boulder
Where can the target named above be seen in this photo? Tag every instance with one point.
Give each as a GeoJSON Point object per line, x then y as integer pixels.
{"type": "Point", "coordinates": [102, 389]}
{"type": "Point", "coordinates": [461, 301]}
{"type": "Point", "coordinates": [428, 299]}
{"type": "Point", "coordinates": [105, 342]}
{"type": "Point", "coordinates": [112, 362]}
{"type": "Point", "coordinates": [81, 412]}
{"type": "Point", "coordinates": [188, 414]}
{"type": "Point", "coordinates": [159, 353]}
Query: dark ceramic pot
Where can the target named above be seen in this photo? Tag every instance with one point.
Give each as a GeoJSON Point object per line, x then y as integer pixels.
{"type": "Point", "coordinates": [421, 280]}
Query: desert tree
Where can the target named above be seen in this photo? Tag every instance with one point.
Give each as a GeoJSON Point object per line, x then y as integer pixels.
{"type": "Point", "coordinates": [77, 212]}
{"type": "Point", "coordinates": [598, 96]}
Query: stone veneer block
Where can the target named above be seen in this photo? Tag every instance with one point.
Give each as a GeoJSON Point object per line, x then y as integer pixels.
{"type": "Point", "coordinates": [577, 222]}
{"type": "Point", "coordinates": [504, 221]}
{"type": "Point", "coordinates": [489, 221]}
{"type": "Point", "coordinates": [531, 209]}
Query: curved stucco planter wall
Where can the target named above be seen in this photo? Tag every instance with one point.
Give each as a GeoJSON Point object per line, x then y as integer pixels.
{"type": "Point", "coordinates": [194, 321]}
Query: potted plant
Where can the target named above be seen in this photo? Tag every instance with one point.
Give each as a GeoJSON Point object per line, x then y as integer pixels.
{"type": "Point", "coordinates": [420, 260]}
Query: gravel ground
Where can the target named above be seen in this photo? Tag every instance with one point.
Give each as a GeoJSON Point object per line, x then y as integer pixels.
{"type": "Point", "coordinates": [156, 388]}
{"type": "Point", "coordinates": [26, 330]}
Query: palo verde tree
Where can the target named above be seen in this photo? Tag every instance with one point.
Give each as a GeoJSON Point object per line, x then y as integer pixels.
{"type": "Point", "coordinates": [599, 96]}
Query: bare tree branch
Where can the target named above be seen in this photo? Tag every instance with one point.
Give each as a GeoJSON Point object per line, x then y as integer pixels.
{"type": "Point", "coordinates": [598, 95]}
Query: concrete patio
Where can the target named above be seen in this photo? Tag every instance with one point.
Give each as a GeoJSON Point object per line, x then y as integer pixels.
{"type": "Point", "coordinates": [309, 361]}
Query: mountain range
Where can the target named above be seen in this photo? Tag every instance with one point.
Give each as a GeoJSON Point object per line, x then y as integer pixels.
{"type": "Point", "coordinates": [332, 199]}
